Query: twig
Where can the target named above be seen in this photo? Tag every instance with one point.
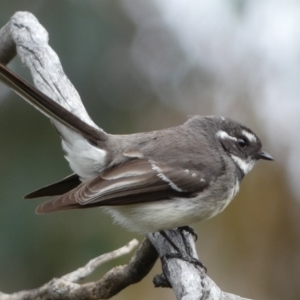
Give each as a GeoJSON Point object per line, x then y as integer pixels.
{"type": "Point", "coordinates": [109, 285]}
{"type": "Point", "coordinates": [93, 264]}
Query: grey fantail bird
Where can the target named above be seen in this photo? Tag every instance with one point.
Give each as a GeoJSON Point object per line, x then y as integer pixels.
{"type": "Point", "coordinates": [147, 181]}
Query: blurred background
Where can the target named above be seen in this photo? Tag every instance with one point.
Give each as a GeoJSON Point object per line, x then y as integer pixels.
{"type": "Point", "coordinates": [145, 65]}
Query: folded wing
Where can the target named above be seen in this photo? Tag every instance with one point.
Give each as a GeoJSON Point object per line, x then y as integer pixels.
{"type": "Point", "coordinates": [133, 182]}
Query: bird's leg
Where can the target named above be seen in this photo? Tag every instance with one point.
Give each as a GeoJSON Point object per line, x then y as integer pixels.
{"type": "Point", "coordinates": [163, 233]}
{"type": "Point", "coordinates": [187, 246]}
{"type": "Point", "coordinates": [180, 255]}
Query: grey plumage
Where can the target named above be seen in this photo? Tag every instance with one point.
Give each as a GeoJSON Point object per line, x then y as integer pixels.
{"type": "Point", "coordinates": [147, 181]}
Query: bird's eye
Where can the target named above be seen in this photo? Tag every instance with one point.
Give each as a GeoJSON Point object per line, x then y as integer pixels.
{"type": "Point", "coordinates": [242, 142]}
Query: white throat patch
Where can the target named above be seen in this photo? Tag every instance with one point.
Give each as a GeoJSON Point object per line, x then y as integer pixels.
{"type": "Point", "coordinates": [245, 165]}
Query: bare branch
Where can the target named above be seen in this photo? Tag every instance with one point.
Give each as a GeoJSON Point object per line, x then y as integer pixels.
{"type": "Point", "coordinates": [31, 42]}
{"type": "Point", "coordinates": [188, 281]}
{"type": "Point", "coordinates": [7, 45]}
{"type": "Point", "coordinates": [109, 285]}
{"type": "Point", "coordinates": [92, 265]}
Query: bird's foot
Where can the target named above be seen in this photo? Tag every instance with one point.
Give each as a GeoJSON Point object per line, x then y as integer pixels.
{"type": "Point", "coordinates": [179, 254]}
{"type": "Point", "coordinates": [187, 258]}
{"type": "Point", "coordinates": [190, 230]}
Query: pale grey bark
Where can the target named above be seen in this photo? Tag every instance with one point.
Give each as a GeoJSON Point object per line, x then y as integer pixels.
{"type": "Point", "coordinates": [109, 285]}
{"type": "Point", "coordinates": [31, 43]}
{"type": "Point", "coordinates": [7, 44]}
{"type": "Point", "coordinates": [189, 281]}
{"type": "Point", "coordinates": [25, 35]}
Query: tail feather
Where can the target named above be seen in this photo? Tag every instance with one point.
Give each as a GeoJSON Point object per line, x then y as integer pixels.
{"type": "Point", "coordinates": [48, 107]}
{"type": "Point", "coordinates": [83, 143]}
{"type": "Point", "coordinates": [57, 188]}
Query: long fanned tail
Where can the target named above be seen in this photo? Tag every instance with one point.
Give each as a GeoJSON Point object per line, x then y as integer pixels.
{"type": "Point", "coordinates": [49, 107]}
{"type": "Point", "coordinates": [83, 143]}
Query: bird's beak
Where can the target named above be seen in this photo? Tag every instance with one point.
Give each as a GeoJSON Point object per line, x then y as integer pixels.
{"type": "Point", "coordinates": [265, 155]}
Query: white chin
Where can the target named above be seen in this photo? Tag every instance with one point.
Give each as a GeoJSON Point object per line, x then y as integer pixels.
{"type": "Point", "coordinates": [245, 165]}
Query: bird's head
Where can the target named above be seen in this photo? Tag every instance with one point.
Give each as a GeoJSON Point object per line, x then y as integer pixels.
{"type": "Point", "coordinates": [241, 144]}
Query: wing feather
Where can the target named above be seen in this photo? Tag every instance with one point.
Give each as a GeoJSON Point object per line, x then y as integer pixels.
{"type": "Point", "coordinates": [136, 181]}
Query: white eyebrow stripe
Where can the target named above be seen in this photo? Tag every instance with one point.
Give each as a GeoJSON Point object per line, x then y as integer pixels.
{"type": "Point", "coordinates": [224, 135]}
{"type": "Point", "coordinates": [250, 136]}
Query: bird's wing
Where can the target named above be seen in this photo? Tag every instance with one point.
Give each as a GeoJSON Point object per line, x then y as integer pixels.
{"type": "Point", "coordinates": [136, 181]}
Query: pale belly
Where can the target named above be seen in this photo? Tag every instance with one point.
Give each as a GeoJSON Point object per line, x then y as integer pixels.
{"type": "Point", "coordinates": [167, 214]}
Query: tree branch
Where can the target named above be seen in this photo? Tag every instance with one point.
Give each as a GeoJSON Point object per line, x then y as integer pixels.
{"type": "Point", "coordinates": [25, 35]}
{"type": "Point", "coordinates": [109, 285]}
{"type": "Point", "coordinates": [7, 44]}
{"type": "Point", "coordinates": [188, 281]}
